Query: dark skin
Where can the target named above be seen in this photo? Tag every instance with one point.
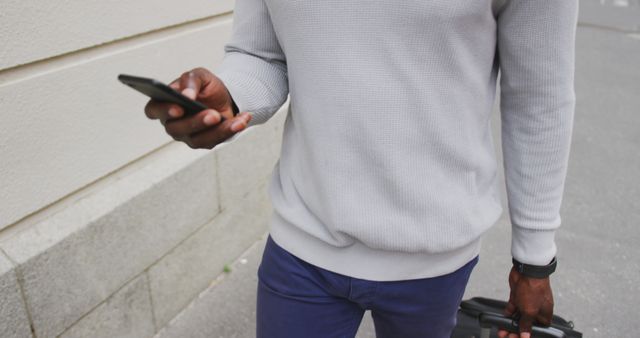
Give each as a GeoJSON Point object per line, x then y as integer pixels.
{"type": "Point", "coordinates": [205, 129]}
{"type": "Point", "coordinates": [531, 298]}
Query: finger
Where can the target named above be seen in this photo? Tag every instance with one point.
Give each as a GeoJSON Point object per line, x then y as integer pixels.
{"type": "Point", "coordinates": [502, 333]}
{"type": "Point", "coordinates": [179, 128]}
{"type": "Point", "coordinates": [513, 335]}
{"type": "Point", "coordinates": [545, 316]}
{"type": "Point", "coordinates": [543, 320]}
{"type": "Point", "coordinates": [192, 81]}
{"type": "Point", "coordinates": [162, 110]}
{"type": "Point", "coordinates": [211, 137]}
{"type": "Point", "coordinates": [175, 84]}
{"type": "Point", "coordinates": [526, 321]}
{"type": "Point", "coordinates": [510, 309]}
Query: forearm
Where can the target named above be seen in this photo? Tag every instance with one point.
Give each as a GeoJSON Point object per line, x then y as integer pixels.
{"type": "Point", "coordinates": [254, 66]}
{"type": "Point", "coordinates": [537, 52]}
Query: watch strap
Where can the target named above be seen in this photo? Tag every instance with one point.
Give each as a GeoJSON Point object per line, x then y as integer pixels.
{"type": "Point", "coordinates": [535, 271]}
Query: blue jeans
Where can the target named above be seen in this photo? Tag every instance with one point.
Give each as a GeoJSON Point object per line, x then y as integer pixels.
{"type": "Point", "coordinates": [297, 299]}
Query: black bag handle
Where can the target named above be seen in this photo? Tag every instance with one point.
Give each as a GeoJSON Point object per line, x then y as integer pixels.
{"type": "Point", "coordinates": [489, 320]}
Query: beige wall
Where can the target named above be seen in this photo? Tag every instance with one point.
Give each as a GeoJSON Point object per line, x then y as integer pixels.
{"type": "Point", "coordinates": [37, 30]}
{"type": "Point", "coordinates": [66, 120]}
{"type": "Point", "coordinates": [102, 215]}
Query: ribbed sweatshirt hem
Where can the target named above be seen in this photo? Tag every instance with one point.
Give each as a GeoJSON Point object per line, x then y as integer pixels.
{"type": "Point", "coordinates": [360, 261]}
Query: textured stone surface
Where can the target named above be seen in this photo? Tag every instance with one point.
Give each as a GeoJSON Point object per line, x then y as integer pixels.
{"type": "Point", "coordinates": [226, 309]}
{"type": "Point", "coordinates": [74, 142]}
{"type": "Point", "coordinates": [13, 316]}
{"type": "Point", "coordinates": [126, 314]}
{"type": "Point", "coordinates": [249, 159]}
{"type": "Point", "coordinates": [84, 253]}
{"type": "Point", "coordinates": [190, 268]}
{"type": "Point", "coordinates": [90, 22]}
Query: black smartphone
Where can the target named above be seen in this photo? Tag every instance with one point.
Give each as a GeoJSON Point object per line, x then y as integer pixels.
{"type": "Point", "coordinates": [161, 92]}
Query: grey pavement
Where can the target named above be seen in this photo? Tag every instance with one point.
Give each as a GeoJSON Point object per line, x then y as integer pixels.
{"type": "Point", "coordinates": [597, 284]}
{"type": "Point", "coordinates": [227, 308]}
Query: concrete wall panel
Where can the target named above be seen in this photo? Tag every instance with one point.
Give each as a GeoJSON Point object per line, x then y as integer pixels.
{"type": "Point", "coordinates": [14, 322]}
{"type": "Point", "coordinates": [126, 314]}
{"type": "Point", "coordinates": [186, 271]}
{"type": "Point", "coordinates": [141, 233]}
{"type": "Point", "coordinates": [75, 259]}
{"type": "Point", "coordinates": [34, 30]}
{"type": "Point", "coordinates": [227, 308]}
{"type": "Point", "coordinates": [67, 125]}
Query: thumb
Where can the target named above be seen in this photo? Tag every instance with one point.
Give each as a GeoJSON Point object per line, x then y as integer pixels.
{"type": "Point", "coordinates": [191, 82]}
{"type": "Point", "coordinates": [509, 311]}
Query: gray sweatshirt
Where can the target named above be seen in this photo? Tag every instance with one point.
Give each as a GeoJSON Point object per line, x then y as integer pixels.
{"type": "Point", "coordinates": [387, 168]}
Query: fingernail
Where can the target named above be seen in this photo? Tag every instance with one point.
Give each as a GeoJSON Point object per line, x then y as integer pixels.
{"type": "Point", "coordinates": [211, 118]}
{"type": "Point", "coordinates": [246, 117]}
{"type": "Point", "coordinates": [173, 112]}
{"type": "Point", "coordinates": [190, 93]}
{"type": "Point", "coordinates": [525, 335]}
{"type": "Point", "coordinates": [237, 125]}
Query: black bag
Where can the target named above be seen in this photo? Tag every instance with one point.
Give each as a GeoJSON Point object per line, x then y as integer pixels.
{"type": "Point", "coordinates": [481, 317]}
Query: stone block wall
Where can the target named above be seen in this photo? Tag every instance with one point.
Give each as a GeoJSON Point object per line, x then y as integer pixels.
{"type": "Point", "coordinates": [109, 228]}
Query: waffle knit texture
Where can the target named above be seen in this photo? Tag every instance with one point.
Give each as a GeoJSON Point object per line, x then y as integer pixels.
{"type": "Point", "coordinates": [387, 168]}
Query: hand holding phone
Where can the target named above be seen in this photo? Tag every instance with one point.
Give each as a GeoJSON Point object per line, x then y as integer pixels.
{"type": "Point", "coordinates": [196, 108]}
{"type": "Point", "coordinates": [161, 92]}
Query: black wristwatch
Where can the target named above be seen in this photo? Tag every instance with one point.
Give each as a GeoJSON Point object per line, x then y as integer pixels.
{"type": "Point", "coordinates": [535, 271]}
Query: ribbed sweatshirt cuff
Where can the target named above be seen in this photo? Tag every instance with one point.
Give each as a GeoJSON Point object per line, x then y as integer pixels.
{"type": "Point", "coordinates": [238, 91]}
{"type": "Point", "coordinates": [535, 247]}
{"type": "Point", "coordinates": [250, 93]}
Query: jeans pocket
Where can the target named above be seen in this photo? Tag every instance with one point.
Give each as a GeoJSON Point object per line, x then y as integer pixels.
{"type": "Point", "coordinates": [283, 273]}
